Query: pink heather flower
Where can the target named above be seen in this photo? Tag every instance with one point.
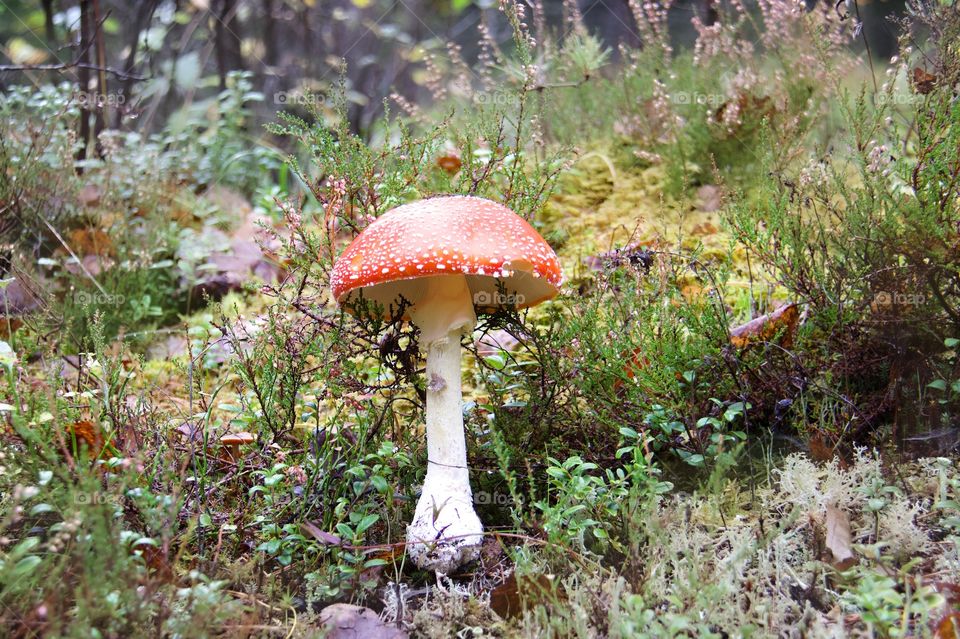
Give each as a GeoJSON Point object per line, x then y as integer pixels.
{"type": "Point", "coordinates": [712, 41]}
{"type": "Point", "coordinates": [878, 158]}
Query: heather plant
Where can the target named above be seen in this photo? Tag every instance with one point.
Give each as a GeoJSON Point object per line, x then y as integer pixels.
{"type": "Point", "coordinates": [862, 239]}
{"type": "Point", "coordinates": [756, 79]}
{"type": "Point", "coordinates": [134, 184]}
{"type": "Point", "coordinates": [620, 437]}
{"type": "Point", "coordinates": [632, 352]}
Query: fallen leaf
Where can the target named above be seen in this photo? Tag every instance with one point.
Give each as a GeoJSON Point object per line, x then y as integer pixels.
{"type": "Point", "coordinates": [156, 560]}
{"type": "Point", "coordinates": [190, 430]}
{"type": "Point", "coordinates": [18, 299]}
{"type": "Point", "coordinates": [89, 195]}
{"type": "Point", "coordinates": [324, 537]}
{"type": "Point", "coordinates": [820, 450]}
{"type": "Point", "coordinates": [8, 326]}
{"type": "Point", "coordinates": [90, 242]}
{"type": "Point", "coordinates": [838, 540]}
{"type": "Point", "coordinates": [923, 82]}
{"type": "Point", "coordinates": [706, 228]}
{"type": "Point", "coordinates": [449, 163]}
{"type": "Point", "coordinates": [949, 626]}
{"type": "Point", "coordinates": [517, 594]}
{"type": "Point", "coordinates": [766, 327]}
{"type": "Point", "coordinates": [86, 433]}
{"type": "Point", "coordinates": [635, 362]}
{"type": "Point", "coordinates": [749, 108]}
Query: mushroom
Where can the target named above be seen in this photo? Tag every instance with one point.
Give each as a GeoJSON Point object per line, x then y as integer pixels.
{"type": "Point", "coordinates": [233, 441]}
{"type": "Point", "coordinates": [448, 257]}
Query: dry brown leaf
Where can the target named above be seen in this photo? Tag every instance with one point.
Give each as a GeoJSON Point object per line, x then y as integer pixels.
{"type": "Point", "coordinates": [820, 449]}
{"type": "Point", "coordinates": [635, 361]}
{"type": "Point", "coordinates": [704, 228]}
{"type": "Point", "coordinates": [749, 107]}
{"type": "Point", "coordinates": [90, 242]}
{"type": "Point", "coordinates": [517, 594]}
{"type": "Point", "coordinates": [449, 163]}
{"type": "Point", "coordinates": [8, 325]}
{"type": "Point", "coordinates": [156, 561]}
{"type": "Point", "coordinates": [923, 82]}
{"type": "Point", "coordinates": [839, 541]}
{"type": "Point", "coordinates": [86, 433]}
{"type": "Point", "coordinates": [89, 195]}
{"type": "Point", "coordinates": [324, 537]}
{"type": "Point", "coordinates": [949, 626]}
{"type": "Point", "coordinates": [766, 327]}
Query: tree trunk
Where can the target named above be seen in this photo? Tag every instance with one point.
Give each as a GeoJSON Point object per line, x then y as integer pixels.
{"type": "Point", "coordinates": [227, 40]}
{"type": "Point", "coordinates": [83, 80]}
{"type": "Point", "coordinates": [271, 52]}
{"type": "Point", "coordinates": [142, 21]}
{"type": "Point", "coordinates": [48, 22]}
{"type": "Point", "coordinates": [102, 101]}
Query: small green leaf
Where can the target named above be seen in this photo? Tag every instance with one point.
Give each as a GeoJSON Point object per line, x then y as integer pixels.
{"type": "Point", "coordinates": [42, 508]}
{"type": "Point", "coordinates": [373, 563]}
{"type": "Point", "coordinates": [629, 433]}
{"type": "Point", "coordinates": [380, 483]}
{"type": "Point", "coordinates": [366, 522]}
{"type": "Point", "coordinates": [24, 567]}
{"type": "Point", "coordinates": [270, 547]}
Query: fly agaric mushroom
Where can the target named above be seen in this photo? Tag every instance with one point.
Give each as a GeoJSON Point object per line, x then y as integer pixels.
{"type": "Point", "coordinates": [447, 257]}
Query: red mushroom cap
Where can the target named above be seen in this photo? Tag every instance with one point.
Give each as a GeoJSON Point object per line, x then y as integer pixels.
{"type": "Point", "coordinates": [505, 261]}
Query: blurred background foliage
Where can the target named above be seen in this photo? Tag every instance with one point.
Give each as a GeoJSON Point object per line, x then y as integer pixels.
{"type": "Point", "coordinates": [166, 59]}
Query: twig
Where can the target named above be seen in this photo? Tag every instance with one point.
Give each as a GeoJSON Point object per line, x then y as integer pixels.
{"type": "Point", "coordinates": [66, 66]}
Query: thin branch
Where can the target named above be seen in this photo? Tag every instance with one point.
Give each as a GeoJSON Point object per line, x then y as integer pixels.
{"type": "Point", "coordinates": [66, 66]}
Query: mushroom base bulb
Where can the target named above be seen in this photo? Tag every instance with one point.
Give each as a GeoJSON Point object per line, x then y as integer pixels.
{"type": "Point", "coordinates": [446, 531]}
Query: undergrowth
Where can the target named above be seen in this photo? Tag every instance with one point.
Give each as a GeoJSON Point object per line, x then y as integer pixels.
{"type": "Point", "coordinates": [612, 432]}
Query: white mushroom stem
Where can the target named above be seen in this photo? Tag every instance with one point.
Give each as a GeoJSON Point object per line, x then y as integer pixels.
{"type": "Point", "coordinates": [445, 532]}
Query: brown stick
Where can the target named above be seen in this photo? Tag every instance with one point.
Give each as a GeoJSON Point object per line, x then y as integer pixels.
{"type": "Point", "coordinates": [101, 55]}
{"type": "Point", "coordinates": [83, 79]}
